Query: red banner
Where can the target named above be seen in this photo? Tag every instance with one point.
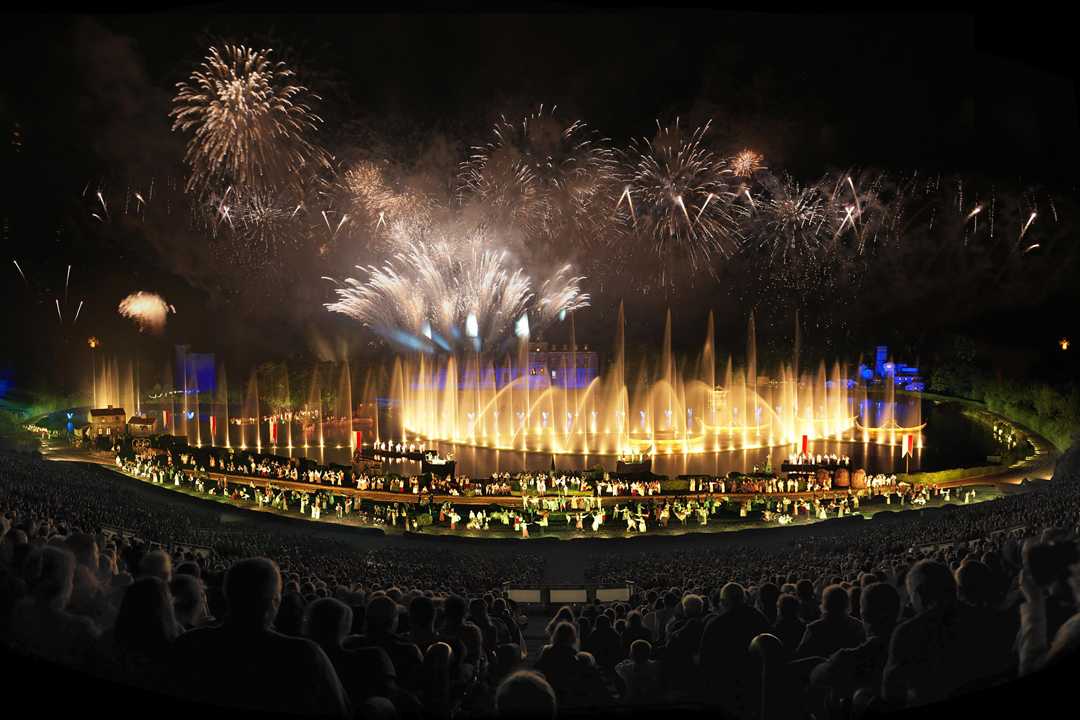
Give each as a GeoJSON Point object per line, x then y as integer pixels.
{"type": "Point", "coordinates": [359, 438]}
{"type": "Point", "coordinates": [910, 444]}
{"type": "Point", "coordinates": [213, 428]}
{"type": "Point", "coordinates": [805, 440]}
{"type": "Point", "coordinates": [273, 433]}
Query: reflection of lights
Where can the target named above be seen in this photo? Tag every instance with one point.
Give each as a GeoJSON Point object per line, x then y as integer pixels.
{"type": "Point", "coordinates": [93, 342]}
{"type": "Point", "coordinates": [1064, 343]}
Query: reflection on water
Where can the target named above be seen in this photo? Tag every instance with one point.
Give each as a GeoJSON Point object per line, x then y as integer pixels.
{"type": "Point", "coordinates": [950, 440]}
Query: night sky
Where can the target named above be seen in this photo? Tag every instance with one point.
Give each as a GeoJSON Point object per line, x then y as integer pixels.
{"type": "Point", "coordinates": [84, 103]}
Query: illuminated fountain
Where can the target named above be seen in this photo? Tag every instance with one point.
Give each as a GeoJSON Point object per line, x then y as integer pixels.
{"type": "Point", "coordinates": [663, 408]}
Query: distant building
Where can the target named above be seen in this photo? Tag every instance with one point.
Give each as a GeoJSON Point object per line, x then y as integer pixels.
{"type": "Point", "coordinates": [561, 366]}
{"type": "Point", "coordinates": [903, 375]}
{"type": "Point", "coordinates": [141, 426]}
{"type": "Point", "coordinates": [107, 421]}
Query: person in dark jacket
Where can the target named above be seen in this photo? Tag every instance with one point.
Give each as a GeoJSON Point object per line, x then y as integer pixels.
{"type": "Point", "coordinates": [725, 649]}
{"type": "Point", "coordinates": [853, 669]}
{"type": "Point", "coordinates": [789, 627]}
{"type": "Point", "coordinates": [558, 661]}
{"type": "Point", "coordinates": [635, 630]}
{"type": "Point", "coordinates": [678, 667]}
{"type": "Point", "coordinates": [835, 630]}
{"type": "Point", "coordinates": [605, 645]}
{"type": "Point", "coordinates": [246, 650]}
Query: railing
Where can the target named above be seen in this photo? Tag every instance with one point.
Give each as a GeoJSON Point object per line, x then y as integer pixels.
{"type": "Point", "coordinates": [568, 594]}
{"type": "Point", "coordinates": [112, 531]}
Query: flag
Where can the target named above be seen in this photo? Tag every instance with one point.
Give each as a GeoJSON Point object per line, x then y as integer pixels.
{"type": "Point", "coordinates": [805, 440]}
{"type": "Point", "coordinates": [213, 428]}
{"type": "Point", "coordinates": [909, 443]}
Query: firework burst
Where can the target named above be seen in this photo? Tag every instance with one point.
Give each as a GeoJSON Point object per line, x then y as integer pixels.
{"type": "Point", "coordinates": [678, 194]}
{"type": "Point", "coordinates": [795, 223]}
{"type": "Point", "coordinates": [542, 174]}
{"type": "Point", "coordinates": [251, 124]}
{"type": "Point", "coordinates": [747, 162]}
{"type": "Point", "coordinates": [148, 311]}
{"type": "Point", "coordinates": [391, 213]}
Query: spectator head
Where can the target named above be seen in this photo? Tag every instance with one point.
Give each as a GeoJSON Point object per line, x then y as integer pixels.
{"type": "Point", "coordinates": [507, 660]}
{"type": "Point", "coordinates": [290, 615]}
{"type": "Point", "coordinates": [975, 583]}
{"type": "Point", "coordinates": [473, 640]}
{"type": "Point", "coordinates": [85, 549]}
{"type": "Point", "coordinates": [55, 578]}
{"type": "Point", "coordinates": [156, 563]}
{"type": "Point", "coordinates": [146, 622]}
{"type": "Point", "coordinates": [586, 660]}
{"type": "Point", "coordinates": [732, 596]}
{"type": "Point", "coordinates": [454, 610]}
{"type": "Point", "coordinates": [930, 586]}
{"type": "Point", "coordinates": [188, 567]}
{"type": "Point", "coordinates": [189, 600]}
{"type": "Point", "coordinates": [640, 651]}
{"type": "Point", "coordinates": [327, 621]}
{"type": "Point", "coordinates": [421, 613]}
{"type": "Point", "coordinates": [436, 673]}
{"type": "Point", "coordinates": [835, 601]}
{"type": "Point", "coordinates": [253, 593]}
{"type": "Point", "coordinates": [768, 595]}
{"type": "Point", "coordinates": [634, 620]}
{"type": "Point", "coordinates": [670, 600]}
{"type": "Point", "coordinates": [855, 600]}
{"type": "Point", "coordinates": [804, 589]}
{"type": "Point", "coordinates": [787, 607]}
{"type": "Point", "coordinates": [692, 606]}
{"type": "Point", "coordinates": [525, 694]}
{"type": "Point", "coordinates": [478, 611]}
{"type": "Point", "coordinates": [381, 616]}
{"type": "Point", "coordinates": [565, 635]}
{"type": "Point", "coordinates": [603, 622]}
{"type": "Point", "coordinates": [880, 608]}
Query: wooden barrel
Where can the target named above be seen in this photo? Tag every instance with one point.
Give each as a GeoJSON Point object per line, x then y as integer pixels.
{"type": "Point", "coordinates": [858, 480]}
{"type": "Point", "coordinates": [841, 479]}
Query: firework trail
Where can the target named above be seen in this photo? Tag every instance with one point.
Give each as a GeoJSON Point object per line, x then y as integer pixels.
{"type": "Point", "coordinates": [21, 273]}
{"type": "Point", "coordinates": [251, 124]}
{"type": "Point", "coordinates": [77, 311]}
{"type": "Point", "coordinates": [149, 311]}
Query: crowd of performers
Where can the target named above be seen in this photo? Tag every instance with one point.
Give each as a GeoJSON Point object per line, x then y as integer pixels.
{"type": "Point", "coordinates": [827, 459]}
{"type": "Point", "coordinates": [546, 499]}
